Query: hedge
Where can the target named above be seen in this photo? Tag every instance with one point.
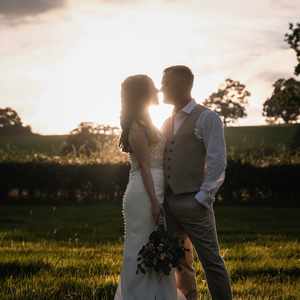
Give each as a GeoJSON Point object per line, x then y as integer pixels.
{"type": "Point", "coordinates": [50, 182]}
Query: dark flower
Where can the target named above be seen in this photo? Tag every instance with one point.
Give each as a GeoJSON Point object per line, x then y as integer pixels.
{"type": "Point", "coordinates": [161, 253]}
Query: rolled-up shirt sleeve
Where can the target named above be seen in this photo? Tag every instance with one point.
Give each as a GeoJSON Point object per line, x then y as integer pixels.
{"type": "Point", "coordinates": [209, 127]}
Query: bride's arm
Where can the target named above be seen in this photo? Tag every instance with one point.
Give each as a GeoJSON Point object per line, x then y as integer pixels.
{"type": "Point", "coordinates": [140, 148]}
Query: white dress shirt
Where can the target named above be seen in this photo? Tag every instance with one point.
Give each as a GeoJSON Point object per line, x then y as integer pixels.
{"type": "Point", "coordinates": [209, 127]}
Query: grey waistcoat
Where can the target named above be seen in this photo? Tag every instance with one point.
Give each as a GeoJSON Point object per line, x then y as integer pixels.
{"type": "Point", "coordinates": [184, 155]}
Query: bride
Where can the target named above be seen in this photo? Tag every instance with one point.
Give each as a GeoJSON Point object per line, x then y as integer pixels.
{"type": "Point", "coordinates": [144, 193]}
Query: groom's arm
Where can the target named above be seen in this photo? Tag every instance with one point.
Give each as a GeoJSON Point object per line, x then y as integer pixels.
{"type": "Point", "coordinates": [210, 128]}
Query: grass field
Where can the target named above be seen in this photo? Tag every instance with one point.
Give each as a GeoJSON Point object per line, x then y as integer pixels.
{"type": "Point", "coordinates": [47, 144]}
{"type": "Point", "coordinates": [265, 136]}
{"type": "Point", "coordinates": [237, 138]}
{"type": "Point", "coordinates": [75, 252]}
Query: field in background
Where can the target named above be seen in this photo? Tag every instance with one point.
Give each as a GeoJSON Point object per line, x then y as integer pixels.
{"type": "Point", "coordinates": [266, 136]}
{"type": "Point", "coordinates": [75, 252]}
{"type": "Point", "coordinates": [46, 144]}
{"type": "Point", "coordinates": [237, 138]}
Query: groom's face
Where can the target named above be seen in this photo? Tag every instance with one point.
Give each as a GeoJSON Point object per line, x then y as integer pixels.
{"type": "Point", "coordinates": [169, 87]}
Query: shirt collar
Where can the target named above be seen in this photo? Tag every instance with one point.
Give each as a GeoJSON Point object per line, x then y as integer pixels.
{"type": "Point", "coordinates": [188, 108]}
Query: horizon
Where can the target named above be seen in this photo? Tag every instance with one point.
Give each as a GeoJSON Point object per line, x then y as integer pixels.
{"type": "Point", "coordinates": [230, 126]}
{"type": "Point", "coordinates": [65, 60]}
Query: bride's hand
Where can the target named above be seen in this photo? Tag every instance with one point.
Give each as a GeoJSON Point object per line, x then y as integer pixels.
{"type": "Point", "coordinates": [155, 211]}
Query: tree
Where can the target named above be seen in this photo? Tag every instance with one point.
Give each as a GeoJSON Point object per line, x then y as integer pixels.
{"type": "Point", "coordinates": [284, 104]}
{"type": "Point", "coordinates": [90, 138]}
{"type": "Point", "coordinates": [293, 39]}
{"type": "Point", "coordinates": [229, 101]}
{"type": "Point", "coordinates": [11, 124]}
{"type": "Point", "coordinates": [81, 140]}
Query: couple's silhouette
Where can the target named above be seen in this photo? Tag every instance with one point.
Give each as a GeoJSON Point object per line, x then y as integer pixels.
{"type": "Point", "coordinates": [179, 168]}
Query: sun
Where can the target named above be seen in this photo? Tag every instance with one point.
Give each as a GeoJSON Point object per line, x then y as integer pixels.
{"type": "Point", "coordinates": [159, 113]}
{"type": "Point", "coordinates": [88, 86]}
{"type": "Point", "coordinates": [89, 76]}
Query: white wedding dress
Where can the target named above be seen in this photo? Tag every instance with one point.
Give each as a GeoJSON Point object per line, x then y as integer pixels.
{"type": "Point", "coordinates": [138, 223]}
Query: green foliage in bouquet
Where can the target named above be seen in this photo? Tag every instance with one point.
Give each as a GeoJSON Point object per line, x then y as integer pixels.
{"type": "Point", "coordinates": [161, 253]}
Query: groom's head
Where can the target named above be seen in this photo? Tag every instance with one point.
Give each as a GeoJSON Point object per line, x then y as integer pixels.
{"type": "Point", "coordinates": [177, 83]}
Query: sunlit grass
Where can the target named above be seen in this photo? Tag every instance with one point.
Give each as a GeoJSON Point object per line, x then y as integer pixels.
{"type": "Point", "coordinates": [75, 252]}
{"type": "Point", "coordinates": [257, 145]}
{"type": "Point", "coordinates": [258, 158]}
{"type": "Point", "coordinates": [71, 159]}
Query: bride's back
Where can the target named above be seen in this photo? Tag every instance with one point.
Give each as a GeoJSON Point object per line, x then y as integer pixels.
{"type": "Point", "coordinates": [156, 150]}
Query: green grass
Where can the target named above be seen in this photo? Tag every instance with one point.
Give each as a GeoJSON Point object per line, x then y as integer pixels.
{"type": "Point", "coordinates": [46, 144]}
{"type": "Point", "coordinates": [75, 252]}
{"type": "Point", "coordinates": [257, 145]}
{"type": "Point", "coordinates": [265, 136]}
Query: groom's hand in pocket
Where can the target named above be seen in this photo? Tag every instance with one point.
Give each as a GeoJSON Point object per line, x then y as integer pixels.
{"type": "Point", "coordinates": [203, 198]}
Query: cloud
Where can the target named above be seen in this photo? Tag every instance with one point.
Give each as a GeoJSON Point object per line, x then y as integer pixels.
{"type": "Point", "coordinates": [285, 5]}
{"type": "Point", "coordinates": [19, 9]}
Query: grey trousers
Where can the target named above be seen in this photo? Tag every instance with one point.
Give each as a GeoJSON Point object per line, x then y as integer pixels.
{"type": "Point", "coordinates": [196, 225]}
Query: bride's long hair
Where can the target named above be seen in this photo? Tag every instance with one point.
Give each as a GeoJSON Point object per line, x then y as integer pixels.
{"type": "Point", "coordinates": [137, 93]}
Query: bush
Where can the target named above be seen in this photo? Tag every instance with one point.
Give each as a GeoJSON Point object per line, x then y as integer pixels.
{"type": "Point", "coordinates": [51, 182]}
{"type": "Point", "coordinates": [46, 182]}
{"type": "Point", "coordinates": [272, 184]}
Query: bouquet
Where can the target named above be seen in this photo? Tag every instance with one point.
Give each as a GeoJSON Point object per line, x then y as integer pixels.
{"type": "Point", "coordinates": [161, 253]}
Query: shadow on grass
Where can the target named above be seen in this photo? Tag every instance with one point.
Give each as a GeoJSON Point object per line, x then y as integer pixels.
{"type": "Point", "coordinates": [21, 269]}
{"type": "Point", "coordinates": [77, 290]}
{"type": "Point", "coordinates": [11, 221]}
{"type": "Point", "coordinates": [269, 272]}
{"type": "Point", "coordinates": [74, 290]}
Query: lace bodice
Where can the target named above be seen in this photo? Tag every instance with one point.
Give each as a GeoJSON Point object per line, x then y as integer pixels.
{"type": "Point", "coordinates": [156, 155]}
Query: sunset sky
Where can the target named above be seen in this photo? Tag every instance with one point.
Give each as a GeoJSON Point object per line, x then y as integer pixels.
{"type": "Point", "coordinates": [62, 61]}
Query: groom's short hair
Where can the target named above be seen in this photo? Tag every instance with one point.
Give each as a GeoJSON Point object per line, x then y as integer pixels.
{"type": "Point", "coordinates": [183, 72]}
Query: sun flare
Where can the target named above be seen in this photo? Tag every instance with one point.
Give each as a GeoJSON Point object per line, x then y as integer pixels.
{"type": "Point", "coordinates": [88, 85]}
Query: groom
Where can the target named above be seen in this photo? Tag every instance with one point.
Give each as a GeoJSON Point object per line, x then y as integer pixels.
{"type": "Point", "coordinates": [194, 168]}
